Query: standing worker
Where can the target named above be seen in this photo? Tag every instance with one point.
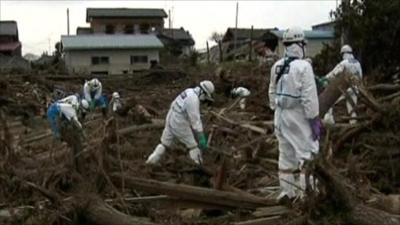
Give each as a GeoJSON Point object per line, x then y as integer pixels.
{"type": "Point", "coordinates": [183, 122]}
{"type": "Point", "coordinates": [92, 92]}
{"type": "Point", "coordinates": [353, 67]}
{"type": "Point", "coordinates": [293, 96]}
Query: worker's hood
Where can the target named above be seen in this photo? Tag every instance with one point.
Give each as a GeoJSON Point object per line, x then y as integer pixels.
{"type": "Point", "coordinates": [348, 56]}
{"type": "Point", "coordinates": [295, 51]}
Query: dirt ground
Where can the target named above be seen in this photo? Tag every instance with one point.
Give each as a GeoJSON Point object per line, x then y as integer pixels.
{"type": "Point", "coordinates": [40, 185]}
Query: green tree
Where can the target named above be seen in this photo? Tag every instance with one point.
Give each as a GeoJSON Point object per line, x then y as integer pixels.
{"type": "Point", "coordinates": [372, 28]}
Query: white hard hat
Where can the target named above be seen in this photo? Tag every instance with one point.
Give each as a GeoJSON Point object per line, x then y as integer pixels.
{"type": "Point", "coordinates": [346, 49]}
{"type": "Point", "coordinates": [208, 87]}
{"type": "Point", "coordinates": [115, 95]}
{"type": "Point", "coordinates": [84, 104]}
{"type": "Point", "coordinates": [94, 83]}
{"type": "Point", "coordinates": [292, 35]}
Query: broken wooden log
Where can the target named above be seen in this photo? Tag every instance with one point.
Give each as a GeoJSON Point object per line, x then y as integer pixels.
{"type": "Point", "coordinates": [271, 211]}
{"type": "Point", "coordinates": [98, 212]}
{"type": "Point", "coordinates": [188, 192]}
{"type": "Point", "coordinates": [243, 125]}
{"type": "Point", "coordinates": [384, 87]}
{"type": "Point", "coordinates": [357, 213]}
{"type": "Point", "coordinates": [332, 93]}
{"type": "Point", "coordinates": [370, 100]}
{"type": "Point", "coordinates": [261, 221]}
{"type": "Point", "coordinates": [388, 203]}
{"type": "Point", "coordinates": [163, 201]}
{"type": "Point", "coordinates": [156, 124]}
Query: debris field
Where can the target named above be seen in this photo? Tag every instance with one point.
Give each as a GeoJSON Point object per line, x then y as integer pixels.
{"type": "Point", "coordinates": [358, 168]}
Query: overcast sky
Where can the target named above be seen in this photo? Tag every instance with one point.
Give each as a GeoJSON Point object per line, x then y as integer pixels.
{"type": "Point", "coordinates": [41, 23]}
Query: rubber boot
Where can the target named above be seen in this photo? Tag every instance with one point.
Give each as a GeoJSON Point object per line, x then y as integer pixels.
{"type": "Point", "coordinates": [156, 155]}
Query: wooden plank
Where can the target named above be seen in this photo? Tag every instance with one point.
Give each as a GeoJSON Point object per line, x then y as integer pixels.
{"type": "Point", "coordinates": [260, 221]}
{"type": "Point", "coordinates": [163, 201]}
{"type": "Point", "coordinates": [243, 125]}
{"type": "Point", "coordinates": [271, 211]}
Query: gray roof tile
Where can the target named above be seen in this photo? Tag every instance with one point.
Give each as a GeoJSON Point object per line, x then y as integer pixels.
{"type": "Point", "coordinates": [104, 41]}
{"type": "Point", "coordinates": [8, 28]}
{"type": "Point", "coordinates": [124, 12]}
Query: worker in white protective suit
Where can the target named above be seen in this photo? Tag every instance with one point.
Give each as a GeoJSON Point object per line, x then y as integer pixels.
{"type": "Point", "coordinates": [71, 99]}
{"type": "Point", "coordinates": [242, 93]}
{"type": "Point", "coordinates": [115, 103]}
{"type": "Point", "coordinates": [353, 67]}
{"type": "Point", "coordinates": [293, 97]}
{"type": "Point", "coordinates": [59, 111]}
{"type": "Point", "coordinates": [92, 92]}
{"type": "Point", "coordinates": [183, 122]}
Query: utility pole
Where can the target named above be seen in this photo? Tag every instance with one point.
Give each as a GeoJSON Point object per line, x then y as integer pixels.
{"type": "Point", "coordinates": [236, 25]}
{"type": "Point", "coordinates": [251, 44]}
{"type": "Point", "coordinates": [169, 19]}
{"type": "Point", "coordinates": [68, 21]}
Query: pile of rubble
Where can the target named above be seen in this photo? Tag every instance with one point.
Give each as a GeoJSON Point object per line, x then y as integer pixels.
{"type": "Point", "coordinates": [357, 170]}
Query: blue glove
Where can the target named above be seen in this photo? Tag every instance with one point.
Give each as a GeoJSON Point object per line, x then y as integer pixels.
{"type": "Point", "coordinates": [202, 141]}
{"type": "Point", "coordinates": [316, 128]}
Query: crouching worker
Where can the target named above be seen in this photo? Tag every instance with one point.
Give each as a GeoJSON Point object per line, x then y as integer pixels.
{"type": "Point", "coordinates": [242, 93]}
{"type": "Point", "coordinates": [183, 122]}
{"type": "Point", "coordinates": [59, 112]}
{"type": "Point", "coordinates": [92, 92]}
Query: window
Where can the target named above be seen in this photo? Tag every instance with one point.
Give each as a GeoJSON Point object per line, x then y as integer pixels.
{"type": "Point", "coordinates": [128, 29]}
{"type": "Point", "coordinates": [110, 29]}
{"type": "Point", "coordinates": [144, 28]}
{"type": "Point", "coordinates": [100, 60]}
{"type": "Point", "coordinates": [99, 73]}
{"type": "Point", "coordinates": [139, 59]}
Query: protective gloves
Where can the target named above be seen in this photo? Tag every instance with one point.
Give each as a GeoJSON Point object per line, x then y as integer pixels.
{"type": "Point", "coordinates": [92, 105]}
{"type": "Point", "coordinates": [322, 82]}
{"type": "Point", "coordinates": [202, 141]}
{"type": "Point", "coordinates": [316, 128]}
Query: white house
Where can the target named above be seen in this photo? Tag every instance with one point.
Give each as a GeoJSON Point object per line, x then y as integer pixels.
{"type": "Point", "coordinates": [110, 54]}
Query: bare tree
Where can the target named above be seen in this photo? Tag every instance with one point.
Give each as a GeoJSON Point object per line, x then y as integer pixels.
{"type": "Point", "coordinates": [216, 37]}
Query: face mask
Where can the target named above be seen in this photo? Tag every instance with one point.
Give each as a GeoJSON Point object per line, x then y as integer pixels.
{"type": "Point", "coordinates": [202, 97]}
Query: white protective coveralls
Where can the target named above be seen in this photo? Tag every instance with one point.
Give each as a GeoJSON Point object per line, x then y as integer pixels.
{"type": "Point", "coordinates": [182, 121]}
{"type": "Point", "coordinates": [295, 101]}
{"type": "Point", "coordinates": [242, 93]}
{"type": "Point", "coordinates": [115, 102]}
{"type": "Point", "coordinates": [72, 99]}
{"type": "Point", "coordinates": [69, 112]}
{"type": "Point", "coordinates": [352, 66]}
{"type": "Point", "coordinates": [87, 92]}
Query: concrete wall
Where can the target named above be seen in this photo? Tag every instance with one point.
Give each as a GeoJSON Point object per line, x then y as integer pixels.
{"type": "Point", "coordinates": [314, 46]}
{"type": "Point", "coordinates": [119, 61]}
